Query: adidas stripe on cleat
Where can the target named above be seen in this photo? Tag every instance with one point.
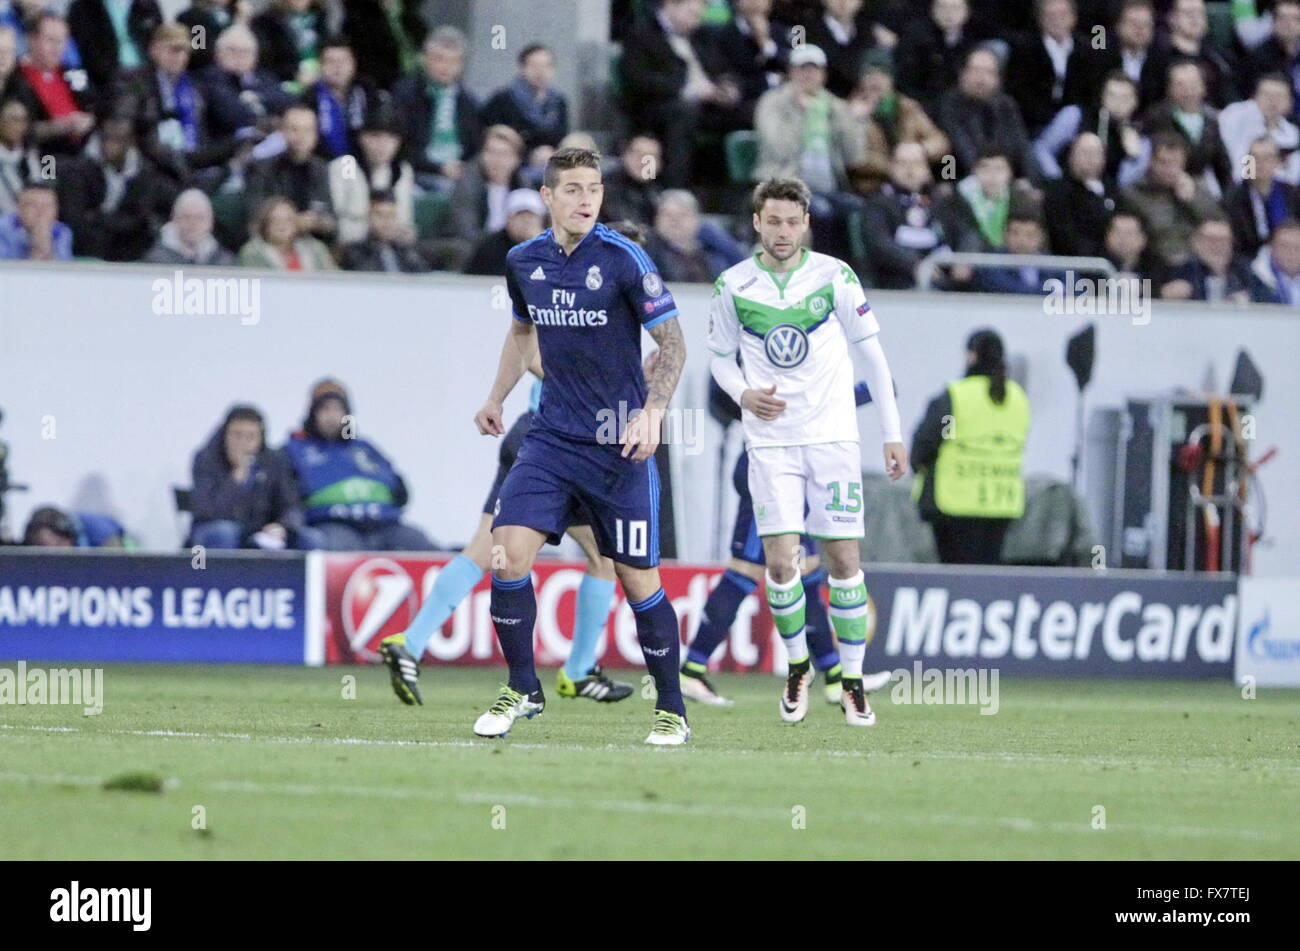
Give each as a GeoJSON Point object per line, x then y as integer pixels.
{"type": "Point", "coordinates": [594, 686]}
{"type": "Point", "coordinates": [403, 669]}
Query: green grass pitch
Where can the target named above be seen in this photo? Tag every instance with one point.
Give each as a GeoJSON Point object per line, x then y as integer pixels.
{"type": "Point", "coordinates": [284, 767]}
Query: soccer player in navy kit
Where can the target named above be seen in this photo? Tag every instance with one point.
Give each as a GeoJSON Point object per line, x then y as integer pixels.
{"type": "Point", "coordinates": [581, 293]}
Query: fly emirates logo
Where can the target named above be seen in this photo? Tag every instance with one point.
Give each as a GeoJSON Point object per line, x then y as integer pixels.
{"type": "Point", "coordinates": [564, 312]}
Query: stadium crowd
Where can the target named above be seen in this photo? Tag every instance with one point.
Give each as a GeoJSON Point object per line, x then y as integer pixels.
{"type": "Point", "coordinates": [308, 135]}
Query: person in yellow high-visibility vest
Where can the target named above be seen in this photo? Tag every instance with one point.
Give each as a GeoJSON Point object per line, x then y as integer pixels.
{"type": "Point", "coordinates": [967, 453]}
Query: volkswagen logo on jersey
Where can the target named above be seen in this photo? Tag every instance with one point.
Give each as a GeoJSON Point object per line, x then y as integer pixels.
{"type": "Point", "coordinates": [786, 345]}
{"type": "Point", "coordinates": [594, 280]}
{"type": "Point", "coordinates": [652, 284]}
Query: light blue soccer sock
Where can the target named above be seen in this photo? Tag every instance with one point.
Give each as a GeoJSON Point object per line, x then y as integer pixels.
{"type": "Point", "coordinates": [453, 583]}
{"type": "Point", "coordinates": [594, 598]}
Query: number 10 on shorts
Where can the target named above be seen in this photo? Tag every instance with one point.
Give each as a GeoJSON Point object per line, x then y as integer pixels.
{"type": "Point", "coordinates": [636, 536]}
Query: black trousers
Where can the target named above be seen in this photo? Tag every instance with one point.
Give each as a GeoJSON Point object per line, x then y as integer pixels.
{"type": "Point", "coordinates": [969, 541]}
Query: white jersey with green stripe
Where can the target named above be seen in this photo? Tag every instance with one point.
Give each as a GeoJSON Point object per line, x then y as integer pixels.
{"type": "Point", "coordinates": [794, 330]}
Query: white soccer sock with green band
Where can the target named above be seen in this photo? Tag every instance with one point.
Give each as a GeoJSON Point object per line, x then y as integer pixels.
{"type": "Point", "coordinates": [848, 613]}
{"type": "Point", "coordinates": [788, 608]}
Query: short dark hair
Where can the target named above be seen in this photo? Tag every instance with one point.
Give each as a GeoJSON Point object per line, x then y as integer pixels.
{"type": "Point", "coordinates": [566, 159]}
{"type": "Point", "coordinates": [1164, 141]}
{"type": "Point", "coordinates": [1286, 224]}
{"type": "Point", "coordinates": [532, 48]}
{"type": "Point", "coordinates": [992, 150]}
{"type": "Point", "coordinates": [337, 42]}
{"type": "Point", "coordinates": [1273, 77]}
{"type": "Point", "coordinates": [782, 189]}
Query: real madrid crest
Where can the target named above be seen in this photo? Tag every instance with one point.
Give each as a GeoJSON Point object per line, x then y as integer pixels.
{"type": "Point", "coordinates": [594, 280]}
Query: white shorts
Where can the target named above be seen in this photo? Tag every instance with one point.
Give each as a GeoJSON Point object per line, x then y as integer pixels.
{"type": "Point", "coordinates": [826, 477]}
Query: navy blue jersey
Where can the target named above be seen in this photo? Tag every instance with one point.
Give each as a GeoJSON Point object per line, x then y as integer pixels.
{"type": "Point", "coordinates": [588, 308]}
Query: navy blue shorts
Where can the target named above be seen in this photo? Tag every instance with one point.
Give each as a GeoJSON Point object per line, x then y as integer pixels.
{"type": "Point", "coordinates": [557, 482]}
{"type": "Point", "coordinates": [745, 543]}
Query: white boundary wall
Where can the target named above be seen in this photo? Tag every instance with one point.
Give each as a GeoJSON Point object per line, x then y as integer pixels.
{"type": "Point", "coordinates": [131, 393]}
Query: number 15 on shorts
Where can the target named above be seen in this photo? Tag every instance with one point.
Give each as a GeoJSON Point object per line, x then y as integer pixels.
{"type": "Point", "coordinates": [635, 536]}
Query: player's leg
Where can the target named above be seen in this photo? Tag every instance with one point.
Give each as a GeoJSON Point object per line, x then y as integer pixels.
{"type": "Point", "coordinates": [534, 507]}
{"type": "Point", "coordinates": [835, 516]}
{"type": "Point", "coordinates": [776, 481]}
{"type": "Point", "coordinates": [581, 676]}
{"type": "Point", "coordinates": [623, 502]}
{"type": "Point", "coordinates": [736, 584]}
{"type": "Point", "coordinates": [821, 642]}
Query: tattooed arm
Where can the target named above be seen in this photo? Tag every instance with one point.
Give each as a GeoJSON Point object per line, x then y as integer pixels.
{"type": "Point", "coordinates": [641, 438]}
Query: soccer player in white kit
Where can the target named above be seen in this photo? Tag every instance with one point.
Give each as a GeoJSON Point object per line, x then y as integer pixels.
{"type": "Point", "coordinates": [793, 314]}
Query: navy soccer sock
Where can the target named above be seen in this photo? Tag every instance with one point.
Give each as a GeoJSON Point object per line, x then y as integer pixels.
{"type": "Point", "coordinates": [514, 614]}
{"type": "Point", "coordinates": [821, 644]}
{"type": "Point", "coordinates": [719, 614]}
{"type": "Point", "coordinates": [656, 629]}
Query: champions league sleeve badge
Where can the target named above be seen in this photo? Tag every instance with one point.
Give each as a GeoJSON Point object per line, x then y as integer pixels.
{"type": "Point", "coordinates": [652, 284]}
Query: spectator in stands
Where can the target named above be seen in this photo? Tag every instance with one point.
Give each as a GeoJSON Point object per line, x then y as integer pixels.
{"type": "Point", "coordinates": [1128, 248]}
{"type": "Point", "coordinates": [1137, 55]}
{"type": "Point", "coordinates": [280, 242]}
{"type": "Point", "coordinates": [900, 226]}
{"type": "Point", "coordinates": [112, 35]}
{"type": "Point", "coordinates": [806, 132]}
{"type": "Point", "coordinates": [377, 167]}
{"type": "Point", "coordinates": [387, 36]}
{"type": "Point", "coordinates": [683, 249]}
{"type": "Point", "coordinates": [443, 129]}
{"type": "Point", "coordinates": [350, 491]}
{"type": "Point", "coordinates": [531, 105]}
{"type": "Point", "coordinates": [1276, 268]}
{"type": "Point", "coordinates": [933, 49]}
{"type": "Point", "coordinates": [63, 101]}
{"type": "Point", "coordinates": [843, 32]}
{"type": "Point", "coordinates": [20, 163]}
{"type": "Point", "coordinates": [389, 246]}
{"type": "Point", "coordinates": [1186, 113]}
{"type": "Point", "coordinates": [478, 199]}
{"type": "Point", "coordinates": [1170, 202]}
{"type": "Point", "coordinates": [1189, 27]}
{"type": "Point", "coordinates": [245, 99]}
{"type": "Point", "coordinates": [890, 119]}
{"type": "Point", "coordinates": [1280, 52]}
{"type": "Point", "coordinates": [12, 85]}
{"type": "Point", "coordinates": [244, 494]}
{"type": "Point", "coordinates": [171, 108]}
{"type": "Point", "coordinates": [1212, 272]}
{"type": "Point", "coordinates": [289, 35]}
{"type": "Point", "coordinates": [675, 83]}
{"type": "Point", "coordinates": [525, 219]}
{"type": "Point", "coordinates": [1262, 200]}
{"type": "Point", "coordinates": [341, 99]}
{"type": "Point", "coordinates": [753, 50]}
{"type": "Point", "coordinates": [187, 239]}
{"type": "Point", "coordinates": [298, 174]}
{"type": "Point", "coordinates": [1051, 69]}
{"type": "Point", "coordinates": [1127, 151]}
{"type": "Point", "coordinates": [975, 215]}
{"type": "Point", "coordinates": [51, 527]}
{"type": "Point", "coordinates": [1079, 206]}
{"type": "Point", "coordinates": [33, 232]}
{"type": "Point", "coordinates": [977, 115]}
{"type": "Point", "coordinates": [632, 190]}
{"type": "Point", "coordinates": [204, 21]}
{"type": "Point", "coordinates": [1264, 115]}
{"type": "Point", "coordinates": [1025, 235]}
{"type": "Point", "coordinates": [123, 197]}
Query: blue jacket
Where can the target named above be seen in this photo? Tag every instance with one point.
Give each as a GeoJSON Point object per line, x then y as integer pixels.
{"type": "Point", "coordinates": [345, 480]}
{"type": "Point", "coordinates": [16, 246]}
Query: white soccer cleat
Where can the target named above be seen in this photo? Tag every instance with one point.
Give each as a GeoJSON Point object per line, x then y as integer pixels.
{"type": "Point", "coordinates": [794, 698]}
{"type": "Point", "coordinates": [509, 707]}
{"type": "Point", "coordinates": [670, 729]}
{"type": "Point", "coordinates": [877, 681]}
{"type": "Point", "coordinates": [697, 687]}
{"type": "Point", "coordinates": [857, 712]}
